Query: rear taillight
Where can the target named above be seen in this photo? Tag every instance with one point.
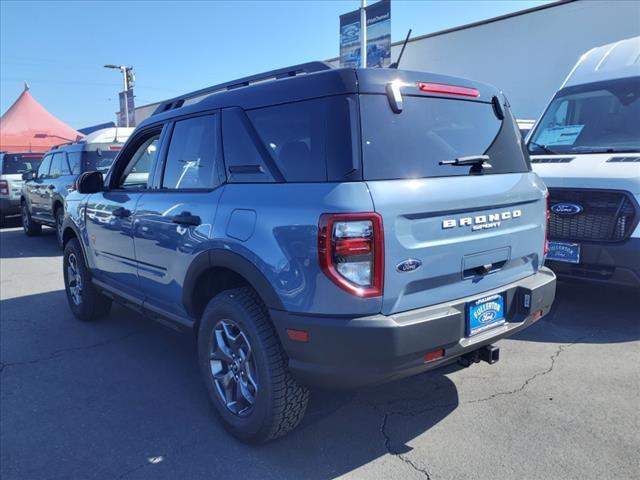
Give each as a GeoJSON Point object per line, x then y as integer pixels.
{"type": "Point", "coordinates": [351, 251]}
{"type": "Point", "coordinates": [4, 187]}
{"type": "Point", "coordinates": [546, 226]}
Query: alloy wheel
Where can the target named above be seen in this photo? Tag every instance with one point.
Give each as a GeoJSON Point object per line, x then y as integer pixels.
{"type": "Point", "coordinates": [74, 279]}
{"type": "Point", "coordinates": [233, 368]}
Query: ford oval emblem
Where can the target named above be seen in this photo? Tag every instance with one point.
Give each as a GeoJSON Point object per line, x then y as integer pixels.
{"type": "Point", "coordinates": [488, 316]}
{"type": "Point", "coordinates": [566, 208]}
{"type": "Point", "coordinates": [408, 265]}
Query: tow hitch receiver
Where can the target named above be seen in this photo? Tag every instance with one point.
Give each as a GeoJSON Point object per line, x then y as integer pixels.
{"type": "Point", "coordinates": [488, 353]}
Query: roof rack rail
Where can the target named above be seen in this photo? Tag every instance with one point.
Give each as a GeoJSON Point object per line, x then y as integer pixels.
{"type": "Point", "coordinates": [292, 71]}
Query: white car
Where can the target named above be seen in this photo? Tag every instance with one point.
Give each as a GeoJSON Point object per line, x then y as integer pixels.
{"type": "Point", "coordinates": [586, 148]}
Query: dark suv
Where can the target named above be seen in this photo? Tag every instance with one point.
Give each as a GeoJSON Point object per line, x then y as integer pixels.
{"type": "Point", "coordinates": [317, 226]}
{"type": "Point", "coordinates": [44, 189]}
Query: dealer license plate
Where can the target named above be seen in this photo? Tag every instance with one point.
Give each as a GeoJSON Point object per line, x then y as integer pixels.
{"type": "Point", "coordinates": [485, 313]}
{"type": "Point", "coordinates": [564, 252]}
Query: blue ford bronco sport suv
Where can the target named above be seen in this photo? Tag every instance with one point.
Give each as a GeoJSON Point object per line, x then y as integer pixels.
{"type": "Point", "coordinates": [317, 226]}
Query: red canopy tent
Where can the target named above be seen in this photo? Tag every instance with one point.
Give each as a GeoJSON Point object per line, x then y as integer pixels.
{"type": "Point", "coordinates": [28, 127]}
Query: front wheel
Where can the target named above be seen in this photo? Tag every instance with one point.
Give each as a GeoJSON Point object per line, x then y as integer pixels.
{"type": "Point", "coordinates": [85, 301]}
{"type": "Point", "coordinates": [245, 369]}
{"type": "Point", "coordinates": [30, 227]}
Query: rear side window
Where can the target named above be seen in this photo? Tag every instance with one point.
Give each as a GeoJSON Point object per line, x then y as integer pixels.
{"type": "Point", "coordinates": [191, 158]}
{"type": "Point", "coordinates": [306, 141]}
{"type": "Point", "coordinates": [412, 144]}
{"type": "Point", "coordinates": [57, 165]}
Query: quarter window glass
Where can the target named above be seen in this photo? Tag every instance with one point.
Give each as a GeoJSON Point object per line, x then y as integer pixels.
{"type": "Point", "coordinates": [136, 174]}
{"type": "Point", "coordinates": [43, 170]}
{"type": "Point", "coordinates": [191, 157]}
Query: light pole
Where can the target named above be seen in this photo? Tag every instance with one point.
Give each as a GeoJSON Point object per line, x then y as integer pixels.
{"type": "Point", "coordinates": [363, 33]}
{"type": "Point", "coordinates": [128, 79]}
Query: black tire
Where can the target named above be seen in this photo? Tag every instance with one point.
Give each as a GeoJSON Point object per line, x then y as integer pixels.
{"type": "Point", "coordinates": [87, 303]}
{"type": "Point", "coordinates": [31, 227]}
{"type": "Point", "coordinates": [59, 216]}
{"type": "Point", "coordinates": [280, 402]}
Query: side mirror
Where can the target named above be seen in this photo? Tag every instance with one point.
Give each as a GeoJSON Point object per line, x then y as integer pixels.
{"type": "Point", "coordinates": [90, 182]}
{"type": "Point", "coordinates": [30, 175]}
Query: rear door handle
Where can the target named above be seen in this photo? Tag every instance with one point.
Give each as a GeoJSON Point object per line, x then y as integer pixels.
{"type": "Point", "coordinates": [121, 212]}
{"type": "Point", "coordinates": [185, 218]}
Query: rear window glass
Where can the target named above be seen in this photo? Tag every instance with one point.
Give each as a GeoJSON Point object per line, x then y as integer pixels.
{"type": "Point", "coordinates": [12, 164]}
{"type": "Point", "coordinates": [412, 144]}
{"type": "Point", "coordinates": [309, 141]}
{"type": "Point", "coordinates": [100, 160]}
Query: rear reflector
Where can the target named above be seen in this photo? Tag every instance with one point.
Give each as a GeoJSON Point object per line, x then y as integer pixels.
{"type": "Point", "coordinates": [448, 89]}
{"type": "Point", "coordinates": [115, 147]}
{"type": "Point", "coordinates": [435, 355]}
{"type": "Point", "coordinates": [298, 335]}
{"type": "Point", "coordinates": [537, 315]}
{"type": "Point", "coordinates": [353, 246]}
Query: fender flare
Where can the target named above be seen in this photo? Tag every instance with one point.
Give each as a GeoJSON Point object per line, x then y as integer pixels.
{"type": "Point", "coordinates": [227, 259]}
{"type": "Point", "coordinates": [68, 224]}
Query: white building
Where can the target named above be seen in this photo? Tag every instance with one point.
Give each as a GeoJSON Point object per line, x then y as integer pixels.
{"type": "Point", "coordinates": [527, 54]}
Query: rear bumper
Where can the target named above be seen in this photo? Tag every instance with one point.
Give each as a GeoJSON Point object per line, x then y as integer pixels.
{"type": "Point", "coordinates": [353, 352]}
{"type": "Point", "coordinates": [9, 206]}
{"type": "Point", "coordinates": [612, 263]}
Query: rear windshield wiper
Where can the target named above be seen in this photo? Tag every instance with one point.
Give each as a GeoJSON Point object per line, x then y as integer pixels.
{"type": "Point", "coordinates": [544, 148]}
{"type": "Point", "coordinates": [479, 160]}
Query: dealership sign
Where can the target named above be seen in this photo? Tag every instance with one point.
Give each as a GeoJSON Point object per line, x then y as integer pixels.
{"type": "Point", "coordinates": [378, 36]}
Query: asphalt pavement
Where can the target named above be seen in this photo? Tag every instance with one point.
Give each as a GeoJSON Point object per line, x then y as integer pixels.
{"type": "Point", "coordinates": [122, 398]}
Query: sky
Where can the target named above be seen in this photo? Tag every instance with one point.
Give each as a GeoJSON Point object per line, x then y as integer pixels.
{"type": "Point", "coordinates": [60, 48]}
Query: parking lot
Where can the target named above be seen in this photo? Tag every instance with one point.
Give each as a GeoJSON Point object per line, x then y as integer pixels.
{"type": "Point", "coordinates": [122, 398]}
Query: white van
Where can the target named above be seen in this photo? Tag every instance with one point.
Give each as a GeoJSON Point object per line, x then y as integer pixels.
{"type": "Point", "coordinates": [586, 147]}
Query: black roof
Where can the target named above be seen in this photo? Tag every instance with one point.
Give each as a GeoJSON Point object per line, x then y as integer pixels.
{"type": "Point", "coordinates": [302, 82]}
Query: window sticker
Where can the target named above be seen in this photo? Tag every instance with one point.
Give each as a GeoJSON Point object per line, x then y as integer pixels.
{"type": "Point", "coordinates": [565, 135]}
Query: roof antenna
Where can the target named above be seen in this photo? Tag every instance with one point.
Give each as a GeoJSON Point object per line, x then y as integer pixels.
{"type": "Point", "coordinates": [26, 85]}
{"type": "Point", "coordinates": [404, 44]}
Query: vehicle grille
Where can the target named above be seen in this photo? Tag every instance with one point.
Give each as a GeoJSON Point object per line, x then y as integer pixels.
{"type": "Point", "coordinates": [607, 216]}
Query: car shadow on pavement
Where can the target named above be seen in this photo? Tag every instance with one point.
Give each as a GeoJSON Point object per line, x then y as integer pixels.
{"type": "Point", "coordinates": [15, 244]}
{"type": "Point", "coordinates": [588, 313]}
{"type": "Point", "coordinates": [10, 222]}
{"type": "Point", "coordinates": [123, 398]}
